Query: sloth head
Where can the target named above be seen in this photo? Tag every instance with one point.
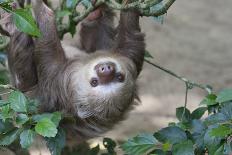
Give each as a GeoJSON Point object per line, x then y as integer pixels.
{"type": "Point", "coordinates": [105, 86]}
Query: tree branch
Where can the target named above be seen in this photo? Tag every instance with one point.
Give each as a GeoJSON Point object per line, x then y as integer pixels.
{"type": "Point", "coordinates": [190, 84]}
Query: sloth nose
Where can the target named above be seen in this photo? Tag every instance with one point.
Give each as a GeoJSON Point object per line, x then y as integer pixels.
{"type": "Point", "coordinates": [105, 72]}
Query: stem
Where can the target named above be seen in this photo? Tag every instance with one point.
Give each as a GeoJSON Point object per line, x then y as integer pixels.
{"type": "Point", "coordinates": [185, 100]}
{"type": "Point", "coordinates": [7, 87]}
{"type": "Point", "coordinates": [190, 83]}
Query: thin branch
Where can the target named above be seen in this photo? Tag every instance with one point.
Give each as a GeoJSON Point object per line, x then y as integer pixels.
{"type": "Point", "coordinates": [7, 87]}
{"type": "Point", "coordinates": [191, 84]}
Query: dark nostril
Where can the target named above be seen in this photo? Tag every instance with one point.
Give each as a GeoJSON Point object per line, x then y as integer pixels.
{"type": "Point", "coordinates": [105, 72]}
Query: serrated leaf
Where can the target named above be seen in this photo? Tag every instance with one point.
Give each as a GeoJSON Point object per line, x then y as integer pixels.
{"type": "Point", "coordinates": [221, 131]}
{"type": "Point", "coordinates": [212, 143]}
{"type": "Point", "coordinates": [10, 137]}
{"type": "Point", "coordinates": [209, 100]}
{"type": "Point", "coordinates": [183, 112]}
{"type": "Point", "coordinates": [21, 119]}
{"type": "Point", "coordinates": [224, 96]}
{"type": "Point", "coordinates": [54, 117]}
{"type": "Point", "coordinates": [171, 134]}
{"type": "Point", "coordinates": [226, 110]}
{"type": "Point", "coordinates": [46, 128]}
{"type": "Point", "coordinates": [27, 138]}
{"type": "Point", "coordinates": [18, 101]}
{"type": "Point", "coordinates": [198, 113]}
{"type": "Point", "coordinates": [140, 144]}
{"type": "Point", "coordinates": [25, 22]}
{"type": "Point", "coordinates": [183, 148]}
{"type": "Point", "coordinates": [215, 118]}
{"type": "Point", "coordinates": [57, 143]}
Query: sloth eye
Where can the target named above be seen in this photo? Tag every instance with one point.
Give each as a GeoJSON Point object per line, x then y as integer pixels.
{"type": "Point", "coordinates": [94, 82]}
{"type": "Point", "coordinates": [120, 77]}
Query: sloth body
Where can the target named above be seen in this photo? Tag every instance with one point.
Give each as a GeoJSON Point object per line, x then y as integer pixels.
{"type": "Point", "coordinates": [97, 86]}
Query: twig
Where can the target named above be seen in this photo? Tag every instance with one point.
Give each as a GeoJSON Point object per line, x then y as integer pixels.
{"type": "Point", "coordinates": [191, 84]}
{"type": "Point", "coordinates": [7, 87]}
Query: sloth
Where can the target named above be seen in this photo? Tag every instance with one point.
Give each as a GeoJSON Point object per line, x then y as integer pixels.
{"type": "Point", "coordinates": [97, 86]}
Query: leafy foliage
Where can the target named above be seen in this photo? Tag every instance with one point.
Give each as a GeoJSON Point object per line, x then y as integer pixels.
{"type": "Point", "coordinates": [20, 121]}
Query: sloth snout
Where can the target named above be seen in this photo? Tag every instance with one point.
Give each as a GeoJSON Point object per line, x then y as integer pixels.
{"type": "Point", "coordinates": [105, 72]}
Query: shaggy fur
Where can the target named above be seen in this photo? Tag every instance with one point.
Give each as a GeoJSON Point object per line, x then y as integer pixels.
{"type": "Point", "coordinates": [62, 83]}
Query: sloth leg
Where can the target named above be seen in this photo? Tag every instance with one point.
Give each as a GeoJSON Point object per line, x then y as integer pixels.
{"type": "Point", "coordinates": [97, 30]}
{"type": "Point", "coordinates": [20, 55]}
{"type": "Point", "coordinates": [49, 54]}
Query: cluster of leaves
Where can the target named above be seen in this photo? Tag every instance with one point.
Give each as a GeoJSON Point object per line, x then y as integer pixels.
{"type": "Point", "coordinates": [20, 121]}
{"type": "Point", "coordinates": [191, 135]}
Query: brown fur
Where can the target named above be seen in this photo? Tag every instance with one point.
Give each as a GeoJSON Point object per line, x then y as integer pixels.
{"type": "Point", "coordinates": [63, 83]}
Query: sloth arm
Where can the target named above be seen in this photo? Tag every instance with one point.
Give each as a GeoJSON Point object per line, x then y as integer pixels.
{"type": "Point", "coordinates": [20, 55]}
{"type": "Point", "coordinates": [130, 40]}
{"type": "Point", "coordinates": [97, 30]}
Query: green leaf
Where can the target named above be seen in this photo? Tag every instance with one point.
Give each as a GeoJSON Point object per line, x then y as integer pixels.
{"type": "Point", "coordinates": [171, 134]}
{"type": "Point", "coordinates": [186, 115]}
{"type": "Point", "coordinates": [140, 144]}
{"type": "Point", "coordinates": [57, 143]}
{"type": "Point", "coordinates": [56, 117]}
{"type": "Point", "coordinates": [46, 128]}
{"type": "Point", "coordinates": [110, 145]}
{"type": "Point", "coordinates": [3, 103]}
{"type": "Point", "coordinates": [226, 110]}
{"type": "Point", "coordinates": [5, 126]}
{"type": "Point", "coordinates": [27, 138]}
{"type": "Point", "coordinates": [215, 118]}
{"type": "Point", "coordinates": [33, 106]}
{"type": "Point", "coordinates": [221, 131]}
{"type": "Point", "coordinates": [95, 151]}
{"type": "Point", "coordinates": [228, 148]}
{"type": "Point", "coordinates": [156, 7]}
{"type": "Point", "coordinates": [21, 119]}
{"type": "Point", "coordinates": [6, 113]}
{"type": "Point", "coordinates": [4, 77]}
{"type": "Point", "coordinates": [219, 151]}
{"type": "Point", "coordinates": [10, 137]}
{"type": "Point", "coordinates": [25, 22]}
{"type": "Point", "coordinates": [209, 100]}
{"type": "Point", "coordinates": [147, 54]}
{"type": "Point", "coordinates": [198, 113]}
{"type": "Point", "coordinates": [224, 96]}
{"type": "Point", "coordinates": [18, 101]}
{"type": "Point", "coordinates": [183, 148]}
{"type": "Point", "coordinates": [212, 143]}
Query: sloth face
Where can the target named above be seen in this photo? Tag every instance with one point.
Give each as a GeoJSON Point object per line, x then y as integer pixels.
{"type": "Point", "coordinates": [106, 87]}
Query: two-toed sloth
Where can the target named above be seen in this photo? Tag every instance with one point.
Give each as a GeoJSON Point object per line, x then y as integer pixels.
{"type": "Point", "coordinates": [97, 87]}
